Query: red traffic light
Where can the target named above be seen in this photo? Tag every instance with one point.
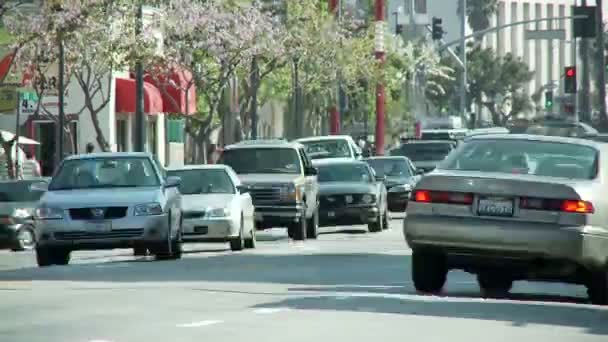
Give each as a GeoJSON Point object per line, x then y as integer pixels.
{"type": "Point", "coordinates": [570, 72]}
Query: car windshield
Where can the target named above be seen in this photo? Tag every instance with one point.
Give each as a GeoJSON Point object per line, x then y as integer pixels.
{"type": "Point", "coordinates": [19, 192]}
{"type": "Point", "coordinates": [320, 149]}
{"type": "Point", "coordinates": [551, 159]}
{"type": "Point", "coordinates": [262, 160]}
{"type": "Point", "coordinates": [203, 181]}
{"type": "Point", "coordinates": [344, 173]}
{"type": "Point", "coordinates": [423, 152]}
{"type": "Point", "coordinates": [390, 167]}
{"type": "Point", "coordinates": [105, 172]}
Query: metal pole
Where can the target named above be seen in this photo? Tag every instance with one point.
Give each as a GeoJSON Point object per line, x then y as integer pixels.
{"type": "Point", "coordinates": [17, 131]}
{"type": "Point", "coordinates": [335, 7]}
{"type": "Point", "coordinates": [140, 119]}
{"type": "Point", "coordinates": [601, 65]}
{"type": "Point", "coordinates": [61, 86]}
{"type": "Point", "coordinates": [379, 15]}
{"type": "Point", "coordinates": [463, 57]}
{"type": "Point", "coordinates": [254, 97]}
{"type": "Point", "coordinates": [584, 95]}
{"type": "Point", "coordinates": [296, 95]}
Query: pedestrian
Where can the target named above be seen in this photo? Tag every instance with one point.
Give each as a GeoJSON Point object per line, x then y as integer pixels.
{"type": "Point", "coordinates": [31, 166]}
{"type": "Point", "coordinates": [90, 147]}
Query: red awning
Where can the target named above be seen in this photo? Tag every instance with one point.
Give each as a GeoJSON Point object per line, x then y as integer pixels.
{"type": "Point", "coordinates": [173, 90]}
{"type": "Point", "coordinates": [125, 97]}
{"type": "Point", "coordinates": [5, 65]}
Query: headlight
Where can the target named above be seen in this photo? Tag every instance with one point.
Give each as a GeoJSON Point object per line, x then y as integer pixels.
{"type": "Point", "coordinates": [367, 199]}
{"type": "Point", "coordinates": [22, 213]}
{"type": "Point", "coordinates": [401, 188]}
{"type": "Point", "coordinates": [218, 212]}
{"type": "Point", "coordinates": [48, 213]}
{"type": "Point", "coordinates": [148, 209]}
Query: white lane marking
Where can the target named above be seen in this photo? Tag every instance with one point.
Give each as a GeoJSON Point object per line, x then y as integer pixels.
{"type": "Point", "coordinates": [266, 311]}
{"type": "Point", "coordinates": [199, 324]}
{"type": "Point", "coordinates": [100, 341]}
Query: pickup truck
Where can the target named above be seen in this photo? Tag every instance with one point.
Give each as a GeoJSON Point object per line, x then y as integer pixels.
{"type": "Point", "coordinates": [282, 183]}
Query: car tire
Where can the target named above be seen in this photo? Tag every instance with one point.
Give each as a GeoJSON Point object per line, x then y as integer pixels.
{"type": "Point", "coordinates": [61, 256]}
{"type": "Point", "coordinates": [385, 221]}
{"type": "Point", "coordinates": [238, 243]}
{"type": "Point", "coordinates": [377, 226]}
{"type": "Point", "coordinates": [298, 229]}
{"type": "Point", "coordinates": [169, 248]}
{"type": "Point", "coordinates": [429, 271]}
{"type": "Point", "coordinates": [251, 242]}
{"type": "Point", "coordinates": [25, 239]}
{"type": "Point", "coordinates": [597, 287]}
{"type": "Point", "coordinates": [312, 226]}
{"type": "Point", "coordinates": [44, 257]}
{"type": "Point", "coordinates": [177, 245]}
{"type": "Point", "coordinates": [494, 285]}
{"type": "Point", "coordinates": [140, 251]}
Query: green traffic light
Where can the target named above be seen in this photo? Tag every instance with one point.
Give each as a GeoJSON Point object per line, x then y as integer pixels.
{"type": "Point", "coordinates": [549, 104]}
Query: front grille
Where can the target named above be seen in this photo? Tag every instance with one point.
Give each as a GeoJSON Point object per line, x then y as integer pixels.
{"type": "Point", "coordinates": [193, 214]}
{"type": "Point", "coordinates": [114, 234]}
{"type": "Point", "coordinates": [339, 201]}
{"type": "Point", "coordinates": [88, 213]}
{"type": "Point", "coordinates": [271, 194]}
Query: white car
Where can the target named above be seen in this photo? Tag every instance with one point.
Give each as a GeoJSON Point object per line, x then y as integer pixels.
{"type": "Point", "coordinates": [215, 206]}
{"type": "Point", "coordinates": [331, 146]}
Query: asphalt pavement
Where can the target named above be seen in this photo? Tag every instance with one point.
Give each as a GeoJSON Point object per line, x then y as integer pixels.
{"type": "Point", "coordinates": [345, 286]}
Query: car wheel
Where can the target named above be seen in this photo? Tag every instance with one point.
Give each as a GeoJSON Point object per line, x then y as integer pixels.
{"type": "Point", "coordinates": [43, 257]}
{"type": "Point", "coordinates": [376, 227]}
{"type": "Point", "coordinates": [251, 242]}
{"type": "Point", "coordinates": [494, 285]}
{"type": "Point", "coordinates": [385, 221]}
{"type": "Point", "coordinates": [299, 229]}
{"type": "Point", "coordinates": [164, 250]}
{"type": "Point", "coordinates": [238, 243]}
{"type": "Point", "coordinates": [140, 251]}
{"type": "Point", "coordinates": [25, 239]}
{"type": "Point", "coordinates": [429, 271]}
{"type": "Point", "coordinates": [312, 226]}
{"type": "Point", "coordinates": [61, 256]}
{"type": "Point", "coordinates": [597, 288]}
{"type": "Point", "coordinates": [177, 244]}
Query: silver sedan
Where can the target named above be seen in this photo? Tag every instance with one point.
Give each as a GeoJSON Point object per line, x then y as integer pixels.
{"type": "Point", "coordinates": [105, 201]}
{"type": "Point", "coordinates": [513, 207]}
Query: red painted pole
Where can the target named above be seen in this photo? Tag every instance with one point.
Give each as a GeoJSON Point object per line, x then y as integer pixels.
{"type": "Point", "coordinates": [379, 14]}
{"type": "Point", "coordinates": [334, 112]}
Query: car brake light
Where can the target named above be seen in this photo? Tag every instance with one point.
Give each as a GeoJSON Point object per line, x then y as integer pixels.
{"type": "Point", "coordinates": [427, 196]}
{"type": "Point", "coordinates": [577, 206]}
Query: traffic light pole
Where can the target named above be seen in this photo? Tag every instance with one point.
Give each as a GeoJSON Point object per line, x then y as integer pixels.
{"type": "Point", "coordinates": [463, 57]}
{"type": "Point", "coordinates": [379, 15]}
{"type": "Point", "coordinates": [600, 58]}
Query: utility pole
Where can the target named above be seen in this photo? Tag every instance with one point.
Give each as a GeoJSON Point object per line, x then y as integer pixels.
{"type": "Point", "coordinates": [584, 95]}
{"type": "Point", "coordinates": [61, 100]}
{"type": "Point", "coordinates": [379, 47]}
{"type": "Point", "coordinates": [140, 119]}
{"type": "Point", "coordinates": [335, 8]}
{"type": "Point", "coordinates": [255, 74]}
{"type": "Point", "coordinates": [297, 101]}
{"type": "Point", "coordinates": [463, 58]}
{"type": "Point", "coordinates": [601, 65]}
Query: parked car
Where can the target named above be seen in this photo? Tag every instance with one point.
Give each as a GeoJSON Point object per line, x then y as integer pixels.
{"type": "Point", "coordinates": [215, 206]}
{"type": "Point", "coordinates": [425, 154]}
{"type": "Point", "coordinates": [350, 193]}
{"type": "Point", "coordinates": [400, 176]}
{"type": "Point", "coordinates": [106, 201]}
{"type": "Point", "coordinates": [331, 146]}
{"type": "Point", "coordinates": [484, 210]}
{"type": "Point", "coordinates": [282, 182]}
{"type": "Point", "coordinates": [17, 203]}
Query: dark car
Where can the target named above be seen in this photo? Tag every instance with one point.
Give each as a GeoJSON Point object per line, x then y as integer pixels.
{"type": "Point", "coordinates": [425, 154]}
{"type": "Point", "coordinates": [17, 203]}
{"type": "Point", "coordinates": [350, 193]}
{"type": "Point", "coordinates": [400, 177]}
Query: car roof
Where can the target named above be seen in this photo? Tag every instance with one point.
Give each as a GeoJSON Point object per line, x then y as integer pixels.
{"type": "Point", "coordinates": [387, 158]}
{"type": "Point", "coordinates": [108, 155]}
{"type": "Point", "coordinates": [199, 167]}
{"type": "Point", "coordinates": [325, 137]}
{"type": "Point", "coordinates": [421, 141]}
{"type": "Point", "coordinates": [534, 137]}
{"type": "Point", "coordinates": [264, 143]}
{"type": "Point", "coordinates": [337, 161]}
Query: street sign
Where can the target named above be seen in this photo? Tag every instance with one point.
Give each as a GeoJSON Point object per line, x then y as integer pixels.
{"type": "Point", "coordinates": [545, 34]}
{"type": "Point", "coordinates": [28, 102]}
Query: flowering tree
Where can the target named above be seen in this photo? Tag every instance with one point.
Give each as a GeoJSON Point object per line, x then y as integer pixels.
{"type": "Point", "coordinates": [210, 40]}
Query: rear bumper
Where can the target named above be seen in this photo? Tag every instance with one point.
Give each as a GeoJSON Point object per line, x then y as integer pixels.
{"type": "Point", "coordinates": [347, 215]}
{"type": "Point", "coordinates": [268, 216]}
{"type": "Point", "coordinates": [584, 245]}
{"type": "Point", "coordinates": [397, 201]}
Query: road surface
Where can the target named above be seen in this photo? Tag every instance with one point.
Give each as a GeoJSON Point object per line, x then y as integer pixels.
{"type": "Point", "coordinates": [346, 286]}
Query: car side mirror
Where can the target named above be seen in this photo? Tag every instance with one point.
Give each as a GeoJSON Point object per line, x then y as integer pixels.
{"type": "Point", "coordinates": [172, 182]}
{"type": "Point", "coordinates": [310, 171]}
{"type": "Point", "coordinates": [242, 189]}
{"type": "Point", "coordinates": [39, 186]}
{"type": "Point", "coordinates": [420, 171]}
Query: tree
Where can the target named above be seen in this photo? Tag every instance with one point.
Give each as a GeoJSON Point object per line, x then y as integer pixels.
{"type": "Point", "coordinates": [495, 83]}
{"type": "Point", "coordinates": [479, 13]}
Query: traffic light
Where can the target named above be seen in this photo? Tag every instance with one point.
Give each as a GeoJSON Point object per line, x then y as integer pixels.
{"type": "Point", "coordinates": [570, 80]}
{"type": "Point", "coordinates": [583, 26]}
{"type": "Point", "coordinates": [548, 100]}
{"type": "Point", "coordinates": [437, 28]}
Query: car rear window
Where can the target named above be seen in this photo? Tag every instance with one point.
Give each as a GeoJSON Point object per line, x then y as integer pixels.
{"type": "Point", "coordinates": [518, 156]}
{"type": "Point", "coordinates": [423, 152]}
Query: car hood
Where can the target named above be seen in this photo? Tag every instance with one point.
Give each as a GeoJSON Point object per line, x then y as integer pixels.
{"type": "Point", "coordinates": [270, 178]}
{"type": "Point", "coordinates": [200, 202]}
{"type": "Point", "coordinates": [76, 198]}
{"type": "Point", "coordinates": [332, 188]}
{"type": "Point", "coordinates": [392, 181]}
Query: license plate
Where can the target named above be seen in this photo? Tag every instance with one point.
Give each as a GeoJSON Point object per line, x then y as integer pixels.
{"type": "Point", "coordinates": [100, 226]}
{"type": "Point", "coordinates": [331, 214]}
{"type": "Point", "coordinates": [495, 207]}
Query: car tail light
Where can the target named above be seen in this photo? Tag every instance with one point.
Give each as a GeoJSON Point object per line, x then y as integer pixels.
{"type": "Point", "coordinates": [427, 196]}
{"type": "Point", "coordinates": [569, 206]}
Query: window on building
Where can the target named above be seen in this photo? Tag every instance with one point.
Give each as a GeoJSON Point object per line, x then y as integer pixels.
{"type": "Point", "coordinates": [420, 6]}
{"type": "Point", "coordinates": [121, 135]}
